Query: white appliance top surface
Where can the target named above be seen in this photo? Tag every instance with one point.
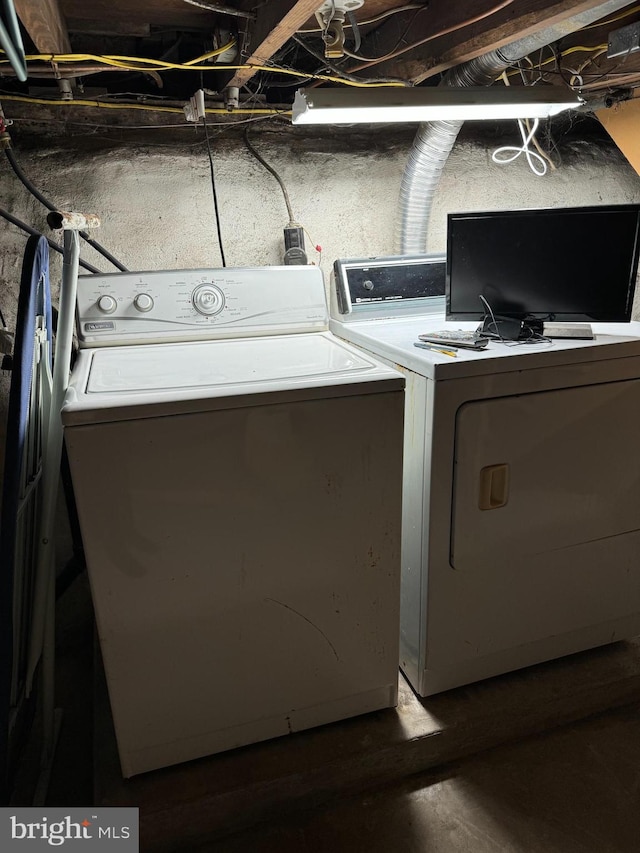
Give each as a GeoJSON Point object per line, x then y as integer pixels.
{"type": "Point", "coordinates": [394, 340]}
{"type": "Point", "coordinates": [151, 374]}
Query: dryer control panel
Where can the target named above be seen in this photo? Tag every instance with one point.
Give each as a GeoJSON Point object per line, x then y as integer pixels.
{"type": "Point", "coordinates": [394, 286]}
{"type": "Point", "coordinates": [168, 305]}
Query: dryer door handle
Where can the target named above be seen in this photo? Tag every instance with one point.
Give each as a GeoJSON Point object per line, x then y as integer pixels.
{"type": "Point", "coordinates": [494, 486]}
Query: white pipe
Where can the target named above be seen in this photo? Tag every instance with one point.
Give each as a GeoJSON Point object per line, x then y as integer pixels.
{"type": "Point", "coordinates": [44, 602]}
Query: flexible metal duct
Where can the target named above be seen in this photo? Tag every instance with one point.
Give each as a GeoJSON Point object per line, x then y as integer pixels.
{"type": "Point", "coordinates": [434, 140]}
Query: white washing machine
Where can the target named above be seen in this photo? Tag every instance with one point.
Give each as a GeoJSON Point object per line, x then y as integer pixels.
{"type": "Point", "coordinates": [521, 500]}
{"type": "Point", "coordinates": [237, 470]}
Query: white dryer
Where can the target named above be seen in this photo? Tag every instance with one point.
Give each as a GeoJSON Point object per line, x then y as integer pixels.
{"type": "Point", "coordinates": [521, 501]}
{"type": "Point", "coordinates": [237, 470]}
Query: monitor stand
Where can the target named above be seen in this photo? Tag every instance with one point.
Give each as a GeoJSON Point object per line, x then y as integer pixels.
{"type": "Point", "coordinates": [576, 331]}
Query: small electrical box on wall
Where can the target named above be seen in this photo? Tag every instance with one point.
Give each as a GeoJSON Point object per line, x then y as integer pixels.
{"type": "Point", "coordinates": [294, 245]}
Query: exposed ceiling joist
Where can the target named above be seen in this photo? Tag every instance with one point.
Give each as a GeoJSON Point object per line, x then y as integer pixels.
{"type": "Point", "coordinates": [448, 41]}
{"type": "Point", "coordinates": [423, 39]}
{"type": "Point", "coordinates": [108, 28]}
{"type": "Point", "coordinates": [45, 23]}
{"type": "Point", "coordinates": [275, 23]}
{"type": "Point", "coordinates": [130, 14]}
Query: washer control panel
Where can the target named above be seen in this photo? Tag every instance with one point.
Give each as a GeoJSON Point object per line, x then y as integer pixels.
{"type": "Point", "coordinates": [167, 305]}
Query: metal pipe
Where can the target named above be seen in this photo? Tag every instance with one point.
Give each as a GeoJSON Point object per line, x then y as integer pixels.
{"type": "Point", "coordinates": [45, 567]}
{"type": "Point", "coordinates": [11, 40]}
{"type": "Point", "coordinates": [30, 230]}
{"type": "Point", "coordinates": [71, 221]}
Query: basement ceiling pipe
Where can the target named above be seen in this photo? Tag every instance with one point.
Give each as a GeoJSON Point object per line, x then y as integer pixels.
{"type": "Point", "coordinates": [434, 140]}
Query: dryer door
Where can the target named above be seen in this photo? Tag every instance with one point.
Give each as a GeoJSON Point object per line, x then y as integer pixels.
{"type": "Point", "coordinates": [546, 513]}
{"type": "Point", "coordinates": [544, 471]}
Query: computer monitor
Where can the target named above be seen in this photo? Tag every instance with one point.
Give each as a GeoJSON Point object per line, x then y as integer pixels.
{"type": "Point", "coordinates": [576, 264]}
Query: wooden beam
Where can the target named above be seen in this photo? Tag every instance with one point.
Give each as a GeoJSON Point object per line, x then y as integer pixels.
{"type": "Point", "coordinates": [442, 50]}
{"type": "Point", "coordinates": [628, 80]}
{"type": "Point", "coordinates": [276, 22]}
{"type": "Point", "coordinates": [44, 21]}
{"type": "Point", "coordinates": [109, 27]}
{"type": "Point", "coordinates": [622, 123]}
{"type": "Point", "coordinates": [173, 14]}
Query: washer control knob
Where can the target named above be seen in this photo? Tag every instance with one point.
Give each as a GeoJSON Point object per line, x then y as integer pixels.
{"type": "Point", "coordinates": [143, 302]}
{"type": "Point", "coordinates": [208, 299]}
{"type": "Point", "coordinates": [107, 304]}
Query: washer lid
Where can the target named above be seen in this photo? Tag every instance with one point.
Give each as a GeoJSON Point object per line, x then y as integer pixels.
{"type": "Point", "coordinates": [141, 376]}
{"type": "Point", "coordinates": [236, 362]}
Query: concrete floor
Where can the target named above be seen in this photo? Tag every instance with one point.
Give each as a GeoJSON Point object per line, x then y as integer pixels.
{"type": "Point", "coordinates": [574, 788]}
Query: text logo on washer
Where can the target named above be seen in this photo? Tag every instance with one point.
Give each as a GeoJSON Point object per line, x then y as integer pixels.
{"type": "Point", "coordinates": [104, 326]}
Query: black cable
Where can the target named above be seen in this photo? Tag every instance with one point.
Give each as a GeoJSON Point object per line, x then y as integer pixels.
{"type": "Point", "coordinates": [396, 45]}
{"type": "Point", "coordinates": [269, 168]}
{"type": "Point", "coordinates": [2, 320]}
{"type": "Point", "coordinates": [164, 56]}
{"type": "Point", "coordinates": [55, 246]}
{"type": "Point", "coordinates": [560, 70]}
{"type": "Point", "coordinates": [213, 188]}
{"type": "Point", "coordinates": [345, 74]}
{"type": "Point", "coordinates": [45, 201]}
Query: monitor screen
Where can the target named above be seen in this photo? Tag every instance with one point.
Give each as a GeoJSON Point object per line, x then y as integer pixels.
{"type": "Point", "coordinates": [570, 264]}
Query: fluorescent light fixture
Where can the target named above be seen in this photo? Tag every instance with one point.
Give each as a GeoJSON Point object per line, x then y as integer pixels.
{"type": "Point", "coordinates": [432, 103]}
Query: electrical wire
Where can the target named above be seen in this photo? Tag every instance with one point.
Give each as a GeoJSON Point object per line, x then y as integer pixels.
{"type": "Point", "coordinates": [270, 169]}
{"type": "Point", "coordinates": [155, 65]}
{"type": "Point", "coordinates": [130, 63]}
{"type": "Point", "coordinates": [381, 17]}
{"type": "Point", "coordinates": [496, 336]}
{"type": "Point", "coordinates": [578, 48]}
{"type": "Point", "coordinates": [574, 77]}
{"type": "Point", "coordinates": [182, 126]}
{"type": "Point", "coordinates": [399, 41]}
{"type": "Point", "coordinates": [345, 74]}
{"type": "Point", "coordinates": [214, 191]}
{"type": "Point", "coordinates": [438, 34]}
{"type": "Point", "coordinates": [107, 105]}
{"type": "Point", "coordinates": [541, 152]}
{"type": "Point", "coordinates": [138, 96]}
{"type": "Point", "coordinates": [581, 48]}
{"type": "Point", "coordinates": [167, 54]}
{"type": "Point", "coordinates": [45, 201]}
{"type": "Point", "coordinates": [612, 20]}
{"type": "Point", "coordinates": [285, 193]}
{"type": "Point", "coordinates": [357, 36]}
{"type": "Point", "coordinates": [316, 246]}
{"type": "Point", "coordinates": [508, 153]}
{"type": "Point", "coordinates": [53, 245]}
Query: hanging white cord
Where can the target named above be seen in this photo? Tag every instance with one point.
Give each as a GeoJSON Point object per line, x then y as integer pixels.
{"type": "Point", "coordinates": [508, 153]}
